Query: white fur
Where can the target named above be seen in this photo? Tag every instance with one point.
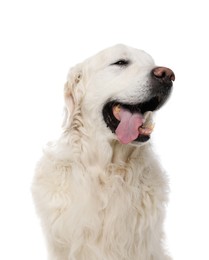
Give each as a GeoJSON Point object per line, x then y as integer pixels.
{"type": "Point", "coordinates": [99, 199]}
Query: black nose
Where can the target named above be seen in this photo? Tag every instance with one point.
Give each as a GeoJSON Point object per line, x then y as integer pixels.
{"type": "Point", "coordinates": [163, 75]}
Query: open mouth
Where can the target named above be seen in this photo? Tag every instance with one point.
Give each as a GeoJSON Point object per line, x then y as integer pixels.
{"type": "Point", "coordinates": [132, 122]}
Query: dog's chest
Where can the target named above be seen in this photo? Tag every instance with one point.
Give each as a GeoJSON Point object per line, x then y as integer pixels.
{"type": "Point", "coordinates": [108, 208]}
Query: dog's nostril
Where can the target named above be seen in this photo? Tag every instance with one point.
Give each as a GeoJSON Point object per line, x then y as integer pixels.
{"type": "Point", "coordinates": [163, 73]}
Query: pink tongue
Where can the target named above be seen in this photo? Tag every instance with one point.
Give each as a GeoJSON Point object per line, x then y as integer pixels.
{"type": "Point", "coordinates": [127, 130]}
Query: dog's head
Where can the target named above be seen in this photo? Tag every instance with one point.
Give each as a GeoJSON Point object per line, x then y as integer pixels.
{"type": "Point", "coordinates": [116, 92]}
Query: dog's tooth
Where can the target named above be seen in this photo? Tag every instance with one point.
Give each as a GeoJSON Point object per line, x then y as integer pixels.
{"type": "Point", "coordinates": [148, 120]}
{"type": "Point", "coordinates": [146, 130]}
{"type": "Point", "coordinates": [117, 109]}
{"type": "Point", "coordinates": [148, 125]}
{"type": "Point", "coordinates": [151, 127]}
{"type": "Point", "coordinates": [147, 115]}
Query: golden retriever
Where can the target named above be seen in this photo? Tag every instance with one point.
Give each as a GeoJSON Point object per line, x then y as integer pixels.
{"type": "Point", "coordinates": [99, 189]}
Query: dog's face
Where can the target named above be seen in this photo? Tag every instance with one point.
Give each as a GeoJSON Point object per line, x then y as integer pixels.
{"type": "Point", "coordinates": [118, 90]}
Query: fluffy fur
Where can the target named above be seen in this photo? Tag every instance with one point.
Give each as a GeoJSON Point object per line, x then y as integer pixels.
{"type": "Point", "coordinates": [99, 199]}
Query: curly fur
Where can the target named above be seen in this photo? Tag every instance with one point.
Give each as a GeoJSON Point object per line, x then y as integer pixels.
{"type": "Point", "coordinates": [97, 198]}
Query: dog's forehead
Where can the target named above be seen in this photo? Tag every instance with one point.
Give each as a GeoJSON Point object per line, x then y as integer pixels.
{"type": "Point", "coordinates": [120, 51]}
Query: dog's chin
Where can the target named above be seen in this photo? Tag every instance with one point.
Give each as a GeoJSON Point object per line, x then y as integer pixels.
{"type": "Point", "coordinates": [141, 109]}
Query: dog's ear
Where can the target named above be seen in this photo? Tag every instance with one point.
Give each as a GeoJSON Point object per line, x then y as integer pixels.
{"type": "Point", "coordinates": [73, 93]}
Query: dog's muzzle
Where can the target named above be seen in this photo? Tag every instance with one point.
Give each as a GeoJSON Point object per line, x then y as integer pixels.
{"type": "Point", "coordinates": [132, 122]}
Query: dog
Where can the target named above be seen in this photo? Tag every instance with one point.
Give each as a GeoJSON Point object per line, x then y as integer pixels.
{"type": "Point", "coordinates": [99, 189]}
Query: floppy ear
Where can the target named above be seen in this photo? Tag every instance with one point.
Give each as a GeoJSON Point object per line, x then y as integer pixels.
{"type": "Point", "coordinates": [73, 93]}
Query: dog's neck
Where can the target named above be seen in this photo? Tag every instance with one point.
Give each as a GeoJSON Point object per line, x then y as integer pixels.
{"type": "Point", "coordinates": [90, 150]}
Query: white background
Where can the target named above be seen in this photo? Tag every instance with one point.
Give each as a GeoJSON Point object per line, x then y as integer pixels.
{"type": "Point", "coordinates": [40, 41]}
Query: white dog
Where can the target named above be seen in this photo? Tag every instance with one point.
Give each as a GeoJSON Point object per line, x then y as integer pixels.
{"type": "Point", "coordinates": [99, 190]}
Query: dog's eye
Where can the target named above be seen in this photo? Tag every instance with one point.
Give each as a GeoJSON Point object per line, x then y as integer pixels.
{"type": "Point", "coordinates": [121, 63]}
